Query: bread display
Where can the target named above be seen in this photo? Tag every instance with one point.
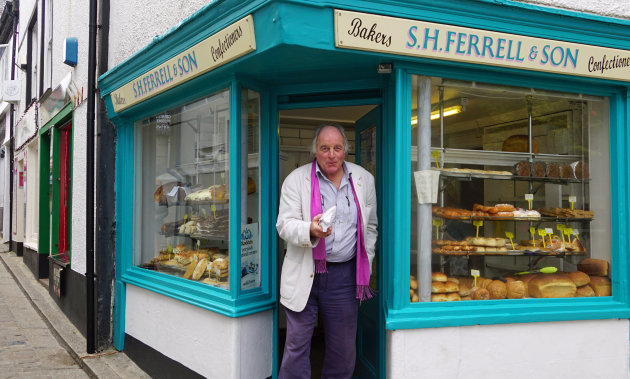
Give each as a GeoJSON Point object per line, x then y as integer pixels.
{"type": "Point", "coordinates": [551, 286]}
{"type": "Point", "coordinates": [592, 266]}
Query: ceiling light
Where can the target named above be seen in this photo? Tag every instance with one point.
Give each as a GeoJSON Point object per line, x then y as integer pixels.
{"type": "Point", "coordinates": [436, 114]}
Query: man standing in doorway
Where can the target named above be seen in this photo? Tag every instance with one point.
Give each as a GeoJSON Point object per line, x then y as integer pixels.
{"type": "Point", "coordinates": [326, 272]}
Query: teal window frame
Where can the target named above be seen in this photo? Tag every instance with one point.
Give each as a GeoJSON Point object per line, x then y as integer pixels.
{"type": "Point", "coordinates": [234, 302]}
{"type": "Point", "coordinates": [400, 312]}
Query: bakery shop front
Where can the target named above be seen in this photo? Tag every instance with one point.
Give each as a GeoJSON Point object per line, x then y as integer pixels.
{"type": "Point", "coordinates": [497, 137]}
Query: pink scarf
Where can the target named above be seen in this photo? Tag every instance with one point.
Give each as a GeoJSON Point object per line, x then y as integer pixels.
{"type": "Point", "coordinates": [363, 291]}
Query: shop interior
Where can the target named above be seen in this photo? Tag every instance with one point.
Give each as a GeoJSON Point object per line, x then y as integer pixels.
{"type": "Point", "coordinates": [296, 130]}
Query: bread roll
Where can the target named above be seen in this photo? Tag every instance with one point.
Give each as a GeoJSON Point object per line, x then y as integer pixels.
{"type": "Point", "coordinates": [538, 170]}
{"type": "Point", "coordinates": [497, 289]}
{"type": "Point", "coordinates": [485, 283]}
{"type": "Point", "coordinates": [452, 279]}
{"type": "Point", "coordinates": [465, 298]}
{"type": "Point", "coordinates": [551, 286]}
{"type": "Point", "coordinates": [579, 278]}
{"type": "Point", "coordinates": [585, 291]}
{"type": "Point", "coordinates": [451, 286]}
{"type": "Point", "coordinates": [453, 297]}
{"type": "Point", "coordinates": [439, 297]}
{"type": "Point", "coordinates": [601, 285]}
{"type": "Point", "coordinates": [413, 283]}
{"type": "Point", "coordinates": [520, 144]}
{"type": "Point", "coordinates": [438, 277]}
{"type": "Point", "coordinates": [414, 298]}
{"type": "Point", "coordinates": [481, 294]}
{"type": "Point", "coordinates": [592, 266]}
{"type": "Point", "coordinates": [516, 289]}
{"type": "Point", "coordinates": [438, 287]}
{"type": "Point", "coordinates": [251, 186]}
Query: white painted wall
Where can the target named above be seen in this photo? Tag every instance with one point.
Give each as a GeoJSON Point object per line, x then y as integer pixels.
{"type": "Point", "coordinates": [571, 349]}
{"type": "Point", "coordinates": [608, 8]}
{"type": "Point", "coordinates": [134, 23]}
{"type": "Point", "coordinates": [213, 345]}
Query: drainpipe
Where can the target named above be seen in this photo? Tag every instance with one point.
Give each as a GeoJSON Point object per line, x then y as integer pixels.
{"type": "Point", "coordinates": [89, 206]}
{"type": "Point", "coordinates": [105, 201]}
{"type": "Point", "coordinates": [14, 12]}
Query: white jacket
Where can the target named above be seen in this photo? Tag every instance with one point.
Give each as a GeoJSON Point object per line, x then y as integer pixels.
{"type": "Point", "coordinates": [294, 219]}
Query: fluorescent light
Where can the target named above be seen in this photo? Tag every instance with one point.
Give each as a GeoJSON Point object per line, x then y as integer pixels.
{"type": "Point", "coordinates": [436, 114]}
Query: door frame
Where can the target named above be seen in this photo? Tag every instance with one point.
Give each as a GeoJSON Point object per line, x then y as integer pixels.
{"type": "Point", "coordinates": [323, 96]}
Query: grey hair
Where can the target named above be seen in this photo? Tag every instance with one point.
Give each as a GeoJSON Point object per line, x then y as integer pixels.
{"type": "Point", "coordinates": [339, 128]}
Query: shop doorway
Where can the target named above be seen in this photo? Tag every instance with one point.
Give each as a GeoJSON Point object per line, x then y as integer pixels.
{"type": "Point", "coordinates": [296, 128]}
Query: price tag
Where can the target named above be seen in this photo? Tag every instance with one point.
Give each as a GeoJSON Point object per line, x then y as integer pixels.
{"type": "Point", "coordinates": [532, 231]}
{"type": "Point", "coordinates": [214, 211]}
{"type": "Point", "coordinates": [542, 233]}
{"type": "Point", "coordinates": [198, 245]}
{"type": "Point", "coordinates": [529, 197]}
{"type": "Point", "coordinates": [223, 178]}
{"type": "Point", "coordinates": [510, 235]}
{"type": "Point", "coordinates": [478, 224]}
{"type": "Point", "coordinates": [572, 200]}
{"type": "Point", "coordinates": [169, 248]}
{"type": "Point", "coordinates": [436, 155]}
{"type": "Point", "coordinates": [567, 232]}
{"type": "Point", "coordinates": [561, 228]}
{"type": "Point", "coordinates": [474, 274]}
{"type": "Point", "coordinates": [576, 233]}
{"type": "Point", "coordinates": [185, 218]}
{"type": "Point", "coordinates": [437, 223]}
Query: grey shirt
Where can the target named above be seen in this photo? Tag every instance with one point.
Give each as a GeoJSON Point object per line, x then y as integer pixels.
{"type": "Point", "coordinates": [341, 244]}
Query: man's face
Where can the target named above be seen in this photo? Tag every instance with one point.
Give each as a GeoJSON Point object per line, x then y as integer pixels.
{"type": "Point", "coordinates": [330, 151]}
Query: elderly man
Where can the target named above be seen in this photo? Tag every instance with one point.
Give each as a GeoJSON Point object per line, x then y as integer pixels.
{"type": "Point", "coordinates": [326, 272]}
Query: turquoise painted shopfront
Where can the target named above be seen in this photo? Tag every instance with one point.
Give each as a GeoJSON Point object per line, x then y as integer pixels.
{"type": "Point", "coordinates": [511, 104]}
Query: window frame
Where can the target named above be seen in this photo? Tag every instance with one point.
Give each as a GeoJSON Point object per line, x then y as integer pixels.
{"type": "Point", "coordinates": [401, 313]}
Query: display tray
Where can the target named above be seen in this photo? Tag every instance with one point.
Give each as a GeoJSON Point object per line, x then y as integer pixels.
{"type": "Point", "coordinates": [496, 218]}
{"type": "Point", "coordinates": [509, 253]}
{"type": "Point", "coordinates": [472, 173]}
{"type": "Point", "coordinates": [205, 236]}
{"type": "Point", "coordinates": [206, 202]}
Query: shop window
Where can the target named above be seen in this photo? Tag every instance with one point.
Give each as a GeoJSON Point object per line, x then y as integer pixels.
{"type": "Point", "coordinates": [521, 207]}
{"type": "Point", "coordinates": [31, 188]}
{"type": "Point", "coordinates": [181, 191]}
{"type": "Point", "coordinates": [31, 62]}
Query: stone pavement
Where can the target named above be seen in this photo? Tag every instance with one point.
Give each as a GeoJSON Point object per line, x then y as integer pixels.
{"type": "Point", "coordinates": [38, 341]}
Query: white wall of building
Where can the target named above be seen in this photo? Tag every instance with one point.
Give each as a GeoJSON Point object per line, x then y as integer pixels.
{"type": "Point", "coordinates": [571, 349]}
{"type": "Point", "coordinates": [213, 345]}
{"type": "Point", "coordinates": [608, 8]}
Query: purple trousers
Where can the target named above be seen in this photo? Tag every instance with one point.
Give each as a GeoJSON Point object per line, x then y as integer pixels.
{"type": "Point", "coordinates": [333, 296]}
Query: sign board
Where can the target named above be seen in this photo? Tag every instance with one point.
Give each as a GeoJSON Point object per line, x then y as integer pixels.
{"type": "Point", "coordinates": [250, 256]}
{"type": "Point", "coordinates": [220, 48]}
{"type": "Point", "coordinates": [363, 31]}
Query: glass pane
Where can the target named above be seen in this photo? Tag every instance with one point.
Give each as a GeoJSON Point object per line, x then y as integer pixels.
{"type": "Point", "coordinates": [250, 194]}
{"type": "Point", "coordinates": [181, 192]}
{"type": "Point", "coordinates": [518, 167]}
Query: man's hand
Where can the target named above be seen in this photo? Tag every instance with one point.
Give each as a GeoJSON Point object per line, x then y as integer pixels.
{"type": "Point", "coordinates": [316, 230]}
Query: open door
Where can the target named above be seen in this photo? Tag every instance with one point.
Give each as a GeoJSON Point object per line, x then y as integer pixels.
{"type": "Point", "coordinates": [370, 328]}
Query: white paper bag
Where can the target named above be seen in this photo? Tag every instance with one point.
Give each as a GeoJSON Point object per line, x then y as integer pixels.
{"type": "Point", "coordinates": [427, 183]}
{"type": "Point", "coordinates": [327, 218]}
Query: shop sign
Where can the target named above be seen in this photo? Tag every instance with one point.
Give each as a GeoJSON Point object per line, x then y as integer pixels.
{"type": "Point", "coordinates": [250, 257]}
{"type": "Point", "coordinates": [56, 100]}
{"type": "Point", "coordinates": [220, 48]}
{"type": "Point", "coordinates": [26, 126]}
{"type": "Point", "coordinates": [362, 31]}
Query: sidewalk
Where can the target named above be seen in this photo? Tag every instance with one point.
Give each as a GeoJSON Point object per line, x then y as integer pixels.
{"type": "Point", "coordinates": [48, 344]}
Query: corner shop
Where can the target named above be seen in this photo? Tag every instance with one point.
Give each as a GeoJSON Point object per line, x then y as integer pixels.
{"type": "Point", "coordinates": [292, 62]}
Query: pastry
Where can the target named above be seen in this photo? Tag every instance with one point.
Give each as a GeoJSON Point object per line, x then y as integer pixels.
{"type": "Point", "coordinates": [601, 285]}
{"type": "Point", "coordinates": [453, 297]}
{"type": "Point", "coordinates": [451, 287]}
{"type": "Point", "coordinates": [579, 278]}
{"type": "Point", "coordinates": [190, 269]}
{"type": "Point", "coordinates": [413, 283]}
{"type": "Point", "coordinates": [592, 266]}
{"type": "Point", "coordinates": [497, 289]}
{"type": "Point", "coordinates": [251, 186]}
{"type": "Point", "coordinates": [505, 207]}
{"type": "Point", "coordinates": [516, 289]}
{"type": "Point", "coordinates": [551, 286]}
{"type": "Point", "coordinates": [439, 297]}
{"type": "Point", "coordinates": [438, 287]}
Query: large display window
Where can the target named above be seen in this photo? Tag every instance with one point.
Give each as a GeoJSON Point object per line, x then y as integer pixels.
{"type": "Point", "coordinates": [512, 188]}
{"type": "Point", "coordinates": [182, 203]}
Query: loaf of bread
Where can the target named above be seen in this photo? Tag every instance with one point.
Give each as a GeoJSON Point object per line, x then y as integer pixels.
{"type": "Point", "coordinates": [523, 168]}
{"type": "Point", "coordinates": [520, 144]}
{"type": "Point", "coordinates": [580, 170]}
{"type": "Point", "coordinates": [551, 286]}
{"type": "Point", "coordinates": [516, 289]}
{"type": "Point", "coordinates": [566, 172]}
{"type": "Point", "coordinates": [552, 170]}
{"type": "Point", "coordinates": [538, 170]}
{"type": "Point", "coordinates": [200, 269]}
{"type": "Point", "coordinates": [592, 266]}
{"type": "Point", "coordinates": [601, 285]}
{"type": "Point", "coordinates": [585, 291]}
{"type": "Point", "coordinates": [579, 278]}
{"type": "Point", "coordinates": [497, 289]}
